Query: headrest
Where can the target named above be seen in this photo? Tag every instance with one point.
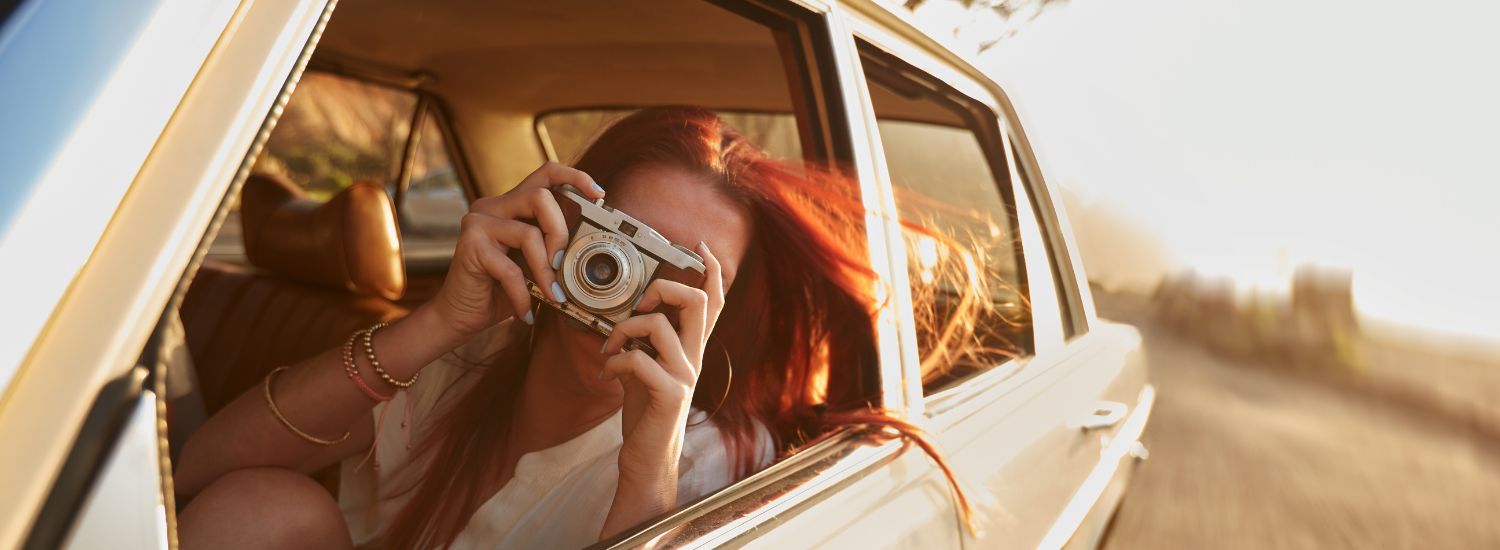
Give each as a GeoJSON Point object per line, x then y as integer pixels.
{"type": "Point", "coordinates": [350, 242]}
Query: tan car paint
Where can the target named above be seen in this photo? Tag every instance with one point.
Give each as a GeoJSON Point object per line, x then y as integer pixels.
{"type": "Point", "coordinates": [150, 237]}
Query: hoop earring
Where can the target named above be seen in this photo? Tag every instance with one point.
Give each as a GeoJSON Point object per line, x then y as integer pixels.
{"type": "Point", "coordinates": [728, 383]}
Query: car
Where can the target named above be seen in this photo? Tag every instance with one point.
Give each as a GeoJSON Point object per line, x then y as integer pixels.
{"type": "Point", "coordinates": [143, 136]}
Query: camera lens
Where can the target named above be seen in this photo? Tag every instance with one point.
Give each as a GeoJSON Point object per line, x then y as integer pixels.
{"type": "Point", "coordinates": [601, 270]}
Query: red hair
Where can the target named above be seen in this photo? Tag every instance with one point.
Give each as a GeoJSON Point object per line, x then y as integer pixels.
{"type": "Point", "coordinates": [798, 332]}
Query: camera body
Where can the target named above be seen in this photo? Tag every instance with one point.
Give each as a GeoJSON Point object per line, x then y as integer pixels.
{"type": "Point", "coordinates": [610, 259]}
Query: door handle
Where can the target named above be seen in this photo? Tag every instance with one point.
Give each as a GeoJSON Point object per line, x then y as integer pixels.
{"type": "Point", "coordinates": [1103, 415]}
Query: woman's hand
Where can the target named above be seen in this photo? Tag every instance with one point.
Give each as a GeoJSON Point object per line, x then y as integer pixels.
{"type": "Point", "coordinates": [659, 392]}
{"type": "Point", "coordinates": [484, 286]}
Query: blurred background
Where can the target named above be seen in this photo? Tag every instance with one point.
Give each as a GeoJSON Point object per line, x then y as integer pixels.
{"type": "Point", "coordinates": [1293, 201]}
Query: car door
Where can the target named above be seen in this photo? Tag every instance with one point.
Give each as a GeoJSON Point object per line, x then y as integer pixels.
{"type": "Point", "coordinates": [1031, 424]}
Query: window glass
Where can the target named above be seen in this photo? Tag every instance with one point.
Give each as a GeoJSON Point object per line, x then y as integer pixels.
{"type": "Point", "coordinates": [434, 200]}
{"type": "Point", "coordinates": [959, 225]}
{"type": "Point", "coordinates": [566, 134]}
{"type": "Point", "coordinates": [336, 131]}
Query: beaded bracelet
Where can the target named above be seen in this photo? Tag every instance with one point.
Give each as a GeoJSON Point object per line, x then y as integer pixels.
{"type": "Point", "coordinates": [352, 370]}
{"type": "Point", "coordinates": [271, 403]}
{"type": "Point", "coordinates": [369, 336]}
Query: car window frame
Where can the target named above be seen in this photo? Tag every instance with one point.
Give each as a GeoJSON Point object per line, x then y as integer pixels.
{"type": "Point", "coordinates": [428, 104]}
{"type": "Point", "coordinates": [1073, 295]}
{"type": "Point", "coordinates": [988, 131]}
{"type": "Point", "coordinates": [1060, 310]}
{"type": "Point", "coordinates": [926, 56]}
{"type": "Point", "coordinates": [126, 356]}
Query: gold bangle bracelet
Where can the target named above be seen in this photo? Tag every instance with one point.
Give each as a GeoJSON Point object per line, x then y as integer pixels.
{"type": "Point", "coordinates": [271, 403]}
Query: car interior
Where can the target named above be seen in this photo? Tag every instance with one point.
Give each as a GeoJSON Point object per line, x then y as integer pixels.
{"type": "Point", "coordinates": [408, 110]}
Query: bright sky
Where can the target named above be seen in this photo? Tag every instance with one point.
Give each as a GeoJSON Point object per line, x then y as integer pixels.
{"type": "Point", "coordinates": [1252, 137]}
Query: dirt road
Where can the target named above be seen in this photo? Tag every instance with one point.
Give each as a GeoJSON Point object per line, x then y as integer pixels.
{"type": "Point", "coordinates": [1245, 456]}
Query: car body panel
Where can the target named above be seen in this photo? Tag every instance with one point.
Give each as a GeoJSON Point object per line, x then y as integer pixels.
{"type": "Point", "coordinates": [93, 126]}
{"type": "Point", "coordinates": [97, 329]}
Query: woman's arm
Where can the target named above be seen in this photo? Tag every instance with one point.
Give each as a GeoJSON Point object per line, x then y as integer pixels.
{"type": "Point", "coordinates": [483, 287]}
{"type": "Point", "coordinates": [318, 398]}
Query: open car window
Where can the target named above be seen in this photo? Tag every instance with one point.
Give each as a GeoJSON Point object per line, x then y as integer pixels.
{"type": "Point", "coordinates": [764, 67]}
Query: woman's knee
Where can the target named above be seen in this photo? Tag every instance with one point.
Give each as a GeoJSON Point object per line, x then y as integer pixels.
{"type": "Point", "coordinates": [263, 508]}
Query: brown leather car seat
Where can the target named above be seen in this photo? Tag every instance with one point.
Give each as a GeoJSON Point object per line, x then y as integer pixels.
{"type": "Point", "coordinates": [320, 272]}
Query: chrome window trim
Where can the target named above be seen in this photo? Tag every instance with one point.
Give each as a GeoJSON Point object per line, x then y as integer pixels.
{"type": "Point", "coordinates": [981, 391]}
{"type": "Point", "coordinates": [895, 328]}
{"type": "Point", "coordinates": [771, 495]}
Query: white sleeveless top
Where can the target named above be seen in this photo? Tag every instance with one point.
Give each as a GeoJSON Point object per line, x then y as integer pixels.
{"type": "Point", "coordinates": [557, 498]}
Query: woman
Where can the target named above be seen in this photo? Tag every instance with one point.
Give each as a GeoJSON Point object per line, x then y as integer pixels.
{"type": "Point", "coordinates": [538, 432]}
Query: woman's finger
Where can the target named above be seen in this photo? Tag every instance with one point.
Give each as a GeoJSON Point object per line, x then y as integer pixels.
{"type": "Point", "coordinates": [655, 329]}
{"type": "Point", "coordinates": [552, 174]}
{"type": "Point", "coordinates": [713, 286]}
{"type": "Point", "coordinates": [635, 363]}
{"type": "Point", "coordinates": [542, 207]}
{"type": "Point", "coordinates": [692, 305]}
{"type": "Point", "coordinates": [513, 234]}
{"type": "Point", "coordinates": [492, 259]}
{"type": "Point", "coordinates": [536, 204]}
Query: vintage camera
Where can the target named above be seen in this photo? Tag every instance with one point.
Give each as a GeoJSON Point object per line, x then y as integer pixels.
{"type": "Point", "coordinates": [610, 259]}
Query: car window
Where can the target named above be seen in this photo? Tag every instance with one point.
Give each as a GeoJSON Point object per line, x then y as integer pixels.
{"type": "Point", "coordinates": [964, 259]}
{"type": "Point", "coordinates": [765, 70]}
{"type": "Point", "coordinates": [1065, 278]}
{"type": "Point", "coordinates": [433, 201]}
{"type": "Point", "coordinates": [565, 134]}
{"type": "Point", "coordinates": [336, 131]}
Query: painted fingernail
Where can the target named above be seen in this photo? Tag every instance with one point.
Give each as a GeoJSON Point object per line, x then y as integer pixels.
{"type": "Point", "coordinates": [596, 187]}
{"type": "Point", "coordinates": [703, 246]}
{"type": "Point", "coordinates": [557, 260]}
{"type": "Point", "coordinates": [557, 293]}
{"type": "Point", "coordinates": [529, 318]}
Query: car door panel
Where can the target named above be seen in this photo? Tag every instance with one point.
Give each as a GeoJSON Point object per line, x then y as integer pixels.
{"type": "Point", "coordinates": [902, 502]}
{"type": "Point", "coordinates": [1023, 446]}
